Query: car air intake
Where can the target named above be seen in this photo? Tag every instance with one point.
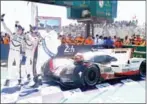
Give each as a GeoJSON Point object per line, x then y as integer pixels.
{"type": "Point", "coordinates": [114, 66]}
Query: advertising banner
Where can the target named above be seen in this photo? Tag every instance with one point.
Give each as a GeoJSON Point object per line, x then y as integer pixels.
{"type": "Point", "coordinates": [70, 50]}
{"type": "Point", "coordinates": [49, 22]}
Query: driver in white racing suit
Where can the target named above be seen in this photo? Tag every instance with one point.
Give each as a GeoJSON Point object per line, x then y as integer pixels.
{"type": "Point", "coordinates": [31, 43]}
{"type": "Point", "coordinates": [14, 52]}
{"type": "Point", "coordinates": [47, 49]}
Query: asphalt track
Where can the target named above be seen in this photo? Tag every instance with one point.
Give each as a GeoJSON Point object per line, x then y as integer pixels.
{"type": "Point", "coordinates": [125, 90]}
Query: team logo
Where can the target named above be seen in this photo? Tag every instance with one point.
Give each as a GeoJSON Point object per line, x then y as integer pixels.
{"type": "Point", "coordinates": [101, 3]}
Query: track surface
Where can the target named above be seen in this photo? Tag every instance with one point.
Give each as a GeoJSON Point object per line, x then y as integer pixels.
{"type": "Point", "coordinates": [126, 90]}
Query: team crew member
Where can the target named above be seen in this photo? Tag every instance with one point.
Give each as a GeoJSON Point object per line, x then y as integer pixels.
{"type": "Point", "coordinates": [6, 39]}
{"type": "Point", "coordinates": [118, 43]}
{"type": "Point", "coordinates": [80, 40]}
{"type": "Point", "coordinates": [14, 52]}
{"type": "Point", "coordinates": [88, 41]}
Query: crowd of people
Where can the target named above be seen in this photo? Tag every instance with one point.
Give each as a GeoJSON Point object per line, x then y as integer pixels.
{"type": "Point", "coordinates": [4, 38]}
{"type": "Point", "coordinates": [120, 32]}
{"type": "Point", "coordinates": [118, 28]}
{"type": "Point", "coordinates": [103, 41]}
{"type": "Point", "coordinates": [97, 40]}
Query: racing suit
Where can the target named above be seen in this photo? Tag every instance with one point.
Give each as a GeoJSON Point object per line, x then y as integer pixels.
{"type": "Point", "coordinates": [51, 43]}
{"type": "Point", "coordinates": [14, 56]}
{"type": "Point", "coordinates": [30, 47]}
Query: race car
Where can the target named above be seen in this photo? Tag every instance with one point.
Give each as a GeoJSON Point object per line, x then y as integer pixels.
{"type": "Point", "coordinates": [90, 68]}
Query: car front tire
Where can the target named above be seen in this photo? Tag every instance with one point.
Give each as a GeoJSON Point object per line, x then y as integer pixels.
{"type": "Point", "coordinates": [142, 69]}
{"type": "Point", "coordinates": [92, 75]}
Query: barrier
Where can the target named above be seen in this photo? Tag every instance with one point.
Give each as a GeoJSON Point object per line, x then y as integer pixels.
{"type": "Point", "coordinates": [4, 51]}
{"type": "Point", "coordinates": [137, 48]}
{"type": "Point", "coordinates": [63, 50]}
{"type": "Point", "coordinates": [71, 50]}
{"type": "Point", "coordinates": [139, 51]}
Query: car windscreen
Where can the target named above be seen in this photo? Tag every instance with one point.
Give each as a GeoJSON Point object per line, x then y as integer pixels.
{"type": "Point", "coordinates": [100, 59]}
{"type": "Point", "coordinates": [104, 58]}
{"type": "Point", "coordinates": [111, 58]}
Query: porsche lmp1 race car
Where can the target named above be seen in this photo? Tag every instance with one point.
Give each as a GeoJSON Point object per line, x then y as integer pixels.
{"type": "Point", "coordinates": [90, 68]}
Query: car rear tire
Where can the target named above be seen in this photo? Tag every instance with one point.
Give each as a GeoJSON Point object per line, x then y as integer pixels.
{"type": "Point", "coordinates": [92, 75]}
{"type": "Point", "coordinates": [142, 69]}
{"type": "Point", "coordinates": [45, 69]}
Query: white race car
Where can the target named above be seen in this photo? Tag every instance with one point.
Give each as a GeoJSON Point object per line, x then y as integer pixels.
{"type": "Point", "coordinates": [89, 68]}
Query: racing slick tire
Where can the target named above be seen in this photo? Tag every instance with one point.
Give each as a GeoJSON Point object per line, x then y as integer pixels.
{"type": "Point", "coordinates": [142, 69]}
{"type": "Point", "coordinates": [45, 69]}
{"type": "Point", "coordinates": [92, 75]}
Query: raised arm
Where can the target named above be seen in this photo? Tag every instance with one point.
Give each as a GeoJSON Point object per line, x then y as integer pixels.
{"type": "Point", "coordinates": [16, 25]}
{"type": "Point", "coordinates": [5, 26]}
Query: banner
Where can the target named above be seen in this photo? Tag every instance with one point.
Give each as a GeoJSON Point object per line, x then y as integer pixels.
{"type": "Point", "coordinates": [49, 22]}
{"type": "Point", "coordinates": [63, 50]}
{"type": "Point", "coordinates": [4, 52]}
{"type": "Point", "coordinates": [71, 50]}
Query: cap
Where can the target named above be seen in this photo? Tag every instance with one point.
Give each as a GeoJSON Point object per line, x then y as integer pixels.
{"type": "Point", "coordinates": [19, 27]}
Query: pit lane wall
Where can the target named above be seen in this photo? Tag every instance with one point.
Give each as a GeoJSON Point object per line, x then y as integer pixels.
{"type": "Point", "coordinates": [68, 50]}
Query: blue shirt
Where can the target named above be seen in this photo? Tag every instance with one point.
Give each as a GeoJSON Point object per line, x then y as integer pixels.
{"type": "Point", "coordinates": [109, 42]}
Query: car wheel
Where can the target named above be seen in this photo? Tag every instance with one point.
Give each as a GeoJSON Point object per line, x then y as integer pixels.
{"type": "Point", "coordinates": [92, 75]}
{"type": "Point", "coordinates": [45, 69]}
{"type": "Point", "coordinates": [142, 69]}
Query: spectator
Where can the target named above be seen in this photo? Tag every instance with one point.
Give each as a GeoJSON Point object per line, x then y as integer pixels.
{"type": "Point", "coordinates": [96, 40]}
{"type": "Point", "coordinates": [105, 45]}
{"type": "Point", "coordinates": [138, 40]}
{"type": "Point", "coordinates": [118, 43]}
{"type": "Point", "coordinates": [109, 42]}
{"type": "Point", "coordinates": [100, 41]}
{"type": "Point", "coordinates": [126, 41]}
{"type": "Point", "coordinates": [132, 40]}
{"type": "Point", "coordinates": [143, 43]}
{"type": "Point", "coordinates": [114, 39]}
